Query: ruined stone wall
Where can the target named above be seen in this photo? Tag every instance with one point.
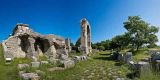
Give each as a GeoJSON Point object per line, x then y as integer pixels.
{"type": "Point", "coordinates": [85, 37]}
{"type": "Point", "coordinates": [12, 48]}
{"type": "Point", "coordinates": [24, 42]}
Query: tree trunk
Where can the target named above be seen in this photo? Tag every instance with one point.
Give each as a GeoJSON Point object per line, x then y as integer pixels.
{"type": "Point", "coordinates": [137, 48]}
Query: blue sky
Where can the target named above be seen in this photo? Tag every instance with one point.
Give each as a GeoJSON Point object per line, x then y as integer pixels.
{"type": "Point", "coordinates": [62, 17]}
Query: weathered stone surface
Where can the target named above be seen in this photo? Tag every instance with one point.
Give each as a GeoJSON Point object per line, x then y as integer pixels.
{"type": "Point", "coordinates": [80, 58]}
{"type": "Point", "coordinates": [68, 46]}
{"type": "Point", "coordinates": [142, 65]}
{"type": "Point", "coordinates": [20, 73]}
{"type": "Point", "coordinates": [55, 69]}
{"type": "Point", "coordinates": [85, 37]}
{"type": "Point", "coordinates": [44, 62]}
{"type": "Point", "coordinates": [77, 58]}
{"type": "Point", "coordinates": [34, 58]}
{"type": "Point", "coordinates": [146, 59]}
{"type": "Point", "coordinates": [39, 72]}
{"type": "Point", "coordinates": [22, 66]}
{"type": "Point", "coordinates": [68, 63]}
{"type": "Point", "coordinates": [52, 60]}
{"type": "Point", "coordinates": [155, 56]}
{"type": "Point", "coordinates": [35, 64]}
{"type": "Point", "coordinates": [128, 57]}
{"type": "Point", "coordinates": [30, 76]}
{"type": "Point", "coordinates": [24, 42]}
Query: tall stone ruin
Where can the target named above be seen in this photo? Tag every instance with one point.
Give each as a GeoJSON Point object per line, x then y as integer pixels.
{"type": "Point", "coordinates": [68, 44]}
{"type": "Point", "coordinates": [85, 37]}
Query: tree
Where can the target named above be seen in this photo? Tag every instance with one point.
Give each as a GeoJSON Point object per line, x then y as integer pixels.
{"type": "Point", "coordinates": [78, 43]}
{"type": "Point", "coordinates": [140, 32]}
{"type": "Point", "coordinates": [101, 48]}
{"type": "Point", "coordinates": [106, 44]}
{"type": "Point", "coordinates": [94, 46]}
{"type": "Point", "coordinates": [120, 42]}
{"type": "Point", "coordinates": [71, 44]}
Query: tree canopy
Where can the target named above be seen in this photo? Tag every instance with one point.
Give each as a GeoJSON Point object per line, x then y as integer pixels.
{"type": "Point", "coordinates": [138, 33]}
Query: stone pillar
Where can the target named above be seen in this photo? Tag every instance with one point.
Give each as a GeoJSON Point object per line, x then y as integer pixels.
{"type": "Point", "coordinates": [68, 46]}
{"type": "Point", "coordinates": [31, 49]}
{"type": "Point", "coordinates": [85, 37]}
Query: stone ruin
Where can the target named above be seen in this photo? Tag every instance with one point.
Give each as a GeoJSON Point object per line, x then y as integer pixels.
{"type": "Point", "coordinates": [68, 44]}
{"type": "Point", "coordinates": [85, 37]}
{"type": "Point", "coordinates": [24, 42]}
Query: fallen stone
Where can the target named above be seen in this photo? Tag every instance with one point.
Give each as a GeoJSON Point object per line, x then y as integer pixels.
{"type": "Point", "coordinates": [83, 58]}
{"type": "Point", "coordinates": [68, 64]}
{"type": "Point", "coordinates": [55, 69]}
{"type": "Point", "coordinates": [39, 72]}
{"type": "Point", "coordinates": [80, 58]}
{"type": "Point", "coordinates": [34, 59]}
{"type": "Point", "coordinates": [44, 62]}
{"type": "Point", "coordinates": [77, 58]}
{"type": "Point", "coordinates": [35, 64]}
{"type": "Point", "coordinates": [21, 72]}
{"type": "Point", "coordinates": [145, 59]}
{"type": "Point", "coordinates": [22, 66]}
{"type": "Point", "coordinates": [155, 56]}
{"type": "Point", "coordinates": [30, 76]}
{"type": "Point", "coordinates": [143, 65]}
{"type": "Point", "coordinates": [53, 60]}
{"type": "Point", "coordinates": [35, 78]}
{"type": "Point", "coordinates": [127, 57]}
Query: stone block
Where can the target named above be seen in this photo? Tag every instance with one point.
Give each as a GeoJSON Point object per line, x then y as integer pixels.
{"type": "Point", "coordinates": [35, 64]}
{"type": "Point", "coordinates": [22, 66]}
{"type": "Point", "coordinates": [44, 62]}
{"type": "Point", "coordinates": [155, 56]}
{"type": "Point", "coordinates": [30, 76]}
{"type": "Point", "coordinates": [68, 64]}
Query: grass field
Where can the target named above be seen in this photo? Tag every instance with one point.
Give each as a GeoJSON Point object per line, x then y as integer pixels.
{"type": "Point", "coordinates": [99, 66]}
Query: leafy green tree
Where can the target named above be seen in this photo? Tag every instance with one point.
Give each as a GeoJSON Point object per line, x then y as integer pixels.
{"type": "Point", "coordinates": [94, 46]}
{"type": "Point", "coordinates": [78, 43]}
{"type": "Point", "coordinates": [71, 44]}
{"type": "Point", "coordinates": [101, 48]}
{"type": "Point", "coordinates": [120, 41]}
{"type": "Point", "coordinates": [105, 44]}
{"type": "Point", "coordinates": [140, 32]}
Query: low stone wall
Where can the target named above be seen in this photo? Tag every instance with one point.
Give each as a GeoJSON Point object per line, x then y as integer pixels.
{"type": "Point", "coordinates": [5, 51]}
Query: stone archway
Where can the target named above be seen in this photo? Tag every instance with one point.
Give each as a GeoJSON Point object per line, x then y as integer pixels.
{"type": "Point", "coordinates": [85, 37]}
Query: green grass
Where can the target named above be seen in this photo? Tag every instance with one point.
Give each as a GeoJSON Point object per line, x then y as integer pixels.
{"type": "Point", "coordinates": [98, 66]}
{"type": "Point", "coordinates": [149, 75]}
{"type": "Point", "coordinates": [10, 71]}
{"type": "Point", "coordinates": [7, 72]}
{"type": "Point", "coordinates": [141, 54]}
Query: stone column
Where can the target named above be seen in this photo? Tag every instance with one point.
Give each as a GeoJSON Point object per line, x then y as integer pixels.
{"type": "Point", "coordinates": [68, 46]}
{"type": "Point", "coordinates": [31, 49]}
{"type": "Point", "coordinates": [85, 37]}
